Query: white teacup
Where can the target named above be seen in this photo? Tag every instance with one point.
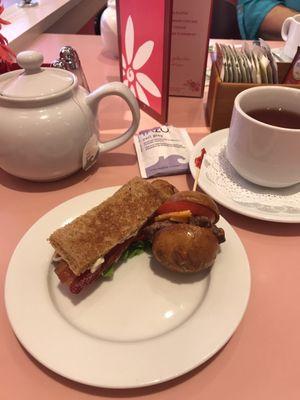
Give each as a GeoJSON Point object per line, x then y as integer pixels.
{"type": "Point", "coordinates": [261, 153]}
{"type": "Point", "coordinates": [290, 33]}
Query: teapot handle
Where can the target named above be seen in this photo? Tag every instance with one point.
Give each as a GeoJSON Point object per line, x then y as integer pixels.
{"type": "Point", "coordinates": [118, 89]}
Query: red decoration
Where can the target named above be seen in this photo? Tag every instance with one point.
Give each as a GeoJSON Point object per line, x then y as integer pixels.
{"type": "Point", "coordinates": [7, 56]}
{"type": "Point", "coordinates": [198, 160]}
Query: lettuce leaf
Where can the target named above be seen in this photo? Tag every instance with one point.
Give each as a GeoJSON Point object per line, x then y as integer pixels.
{"type": "Point", "coordinates": [110, 272]}
{"type": "Point", "coordinates": [133, 250]}
{"type": "Point", "coordinates": [136, 248]}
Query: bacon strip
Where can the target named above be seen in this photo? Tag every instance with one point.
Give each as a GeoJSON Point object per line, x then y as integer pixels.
{"type": "Point", "coordinates": [77, 283]}
{"type": "Point", "coordinates": [64, 273]}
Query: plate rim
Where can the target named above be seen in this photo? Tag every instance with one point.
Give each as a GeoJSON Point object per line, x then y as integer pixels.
{"type": "Point", "coordinates": [222, 133]}
{"type": "Point", "coordinates": [167, 377]}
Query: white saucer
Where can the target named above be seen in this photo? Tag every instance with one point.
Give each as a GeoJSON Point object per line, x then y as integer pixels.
{"type": "Point", "coordinates": [219, 194]}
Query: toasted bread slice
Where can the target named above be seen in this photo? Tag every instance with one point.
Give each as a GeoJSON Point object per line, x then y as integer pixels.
{"type": "Point", "coordinates": [165, 188]}
{"type": "Point", "coordinates": [92, 235]}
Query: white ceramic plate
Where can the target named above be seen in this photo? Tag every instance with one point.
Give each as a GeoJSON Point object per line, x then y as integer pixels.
{"type": "Point", "coordinates": [220, 196]}
{"type": "Point", "coordinates": [144, 327]}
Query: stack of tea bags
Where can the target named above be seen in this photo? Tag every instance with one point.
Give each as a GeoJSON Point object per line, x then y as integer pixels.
{"type": "Point", "coordinates": [246, 63]}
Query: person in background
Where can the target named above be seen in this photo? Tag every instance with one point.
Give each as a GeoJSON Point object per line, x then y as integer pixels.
{"type": "Point", "coordinates": [264, 18]}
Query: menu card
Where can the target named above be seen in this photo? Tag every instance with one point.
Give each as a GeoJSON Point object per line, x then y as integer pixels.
{"type": "Point", "coordinates": [189, 47]}
{"type": "Point", "coordinates": [163, 47]}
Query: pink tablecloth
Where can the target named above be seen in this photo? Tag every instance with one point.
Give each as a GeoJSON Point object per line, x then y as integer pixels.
{"type": "Point", "coordinates": [261, 361]}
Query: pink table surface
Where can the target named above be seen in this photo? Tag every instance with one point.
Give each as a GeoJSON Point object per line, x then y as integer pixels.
{"type": "Point", "coordinates": [261, 361]}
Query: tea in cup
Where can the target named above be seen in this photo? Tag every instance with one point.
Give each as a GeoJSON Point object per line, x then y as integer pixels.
{"type": "Point", "coordinates": [264, 136]}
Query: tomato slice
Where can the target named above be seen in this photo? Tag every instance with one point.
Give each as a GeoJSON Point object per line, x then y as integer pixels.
{"type": "Point", "coordinates": [181, 205]}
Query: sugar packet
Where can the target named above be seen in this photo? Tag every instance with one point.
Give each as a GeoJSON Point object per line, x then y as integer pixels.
{"type": "Point", "coordinates": [164, 150]}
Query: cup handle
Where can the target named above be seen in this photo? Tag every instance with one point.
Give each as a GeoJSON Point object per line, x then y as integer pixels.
{"type": "Point", "coordinates": [118, 89]}
{"type": "Point", "coordinates": [285, 28]}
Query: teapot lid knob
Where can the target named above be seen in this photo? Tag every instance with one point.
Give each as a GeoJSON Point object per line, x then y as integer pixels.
{"type": "Point", "coordinates": [30, 60]}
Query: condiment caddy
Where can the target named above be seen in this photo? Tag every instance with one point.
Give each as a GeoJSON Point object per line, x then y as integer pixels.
{"type": "Point", "coordinates": [221, 94]}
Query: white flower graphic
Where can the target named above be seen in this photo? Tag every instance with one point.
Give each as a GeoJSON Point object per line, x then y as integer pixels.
{"type": "Point", "coordinates": [135, 80]}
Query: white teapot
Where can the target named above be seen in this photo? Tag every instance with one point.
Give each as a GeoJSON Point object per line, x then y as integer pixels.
{"type": "Point", "coordinates": [48, 123]}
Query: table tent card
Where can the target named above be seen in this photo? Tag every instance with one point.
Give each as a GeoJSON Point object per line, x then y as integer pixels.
{"type": "Point", "coordinates": [189, 47]}
{"type": "Point", "coordinates": [144, 29]}
{"type": "Point", "coordinates": [160, 57]}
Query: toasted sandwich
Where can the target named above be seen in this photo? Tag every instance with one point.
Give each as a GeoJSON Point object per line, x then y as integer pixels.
{"type": "Point", "coordinates": [89, 245]}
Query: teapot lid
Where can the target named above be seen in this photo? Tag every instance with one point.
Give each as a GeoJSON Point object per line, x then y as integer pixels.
{"type": "Point", "coordinates": [33, 82]}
